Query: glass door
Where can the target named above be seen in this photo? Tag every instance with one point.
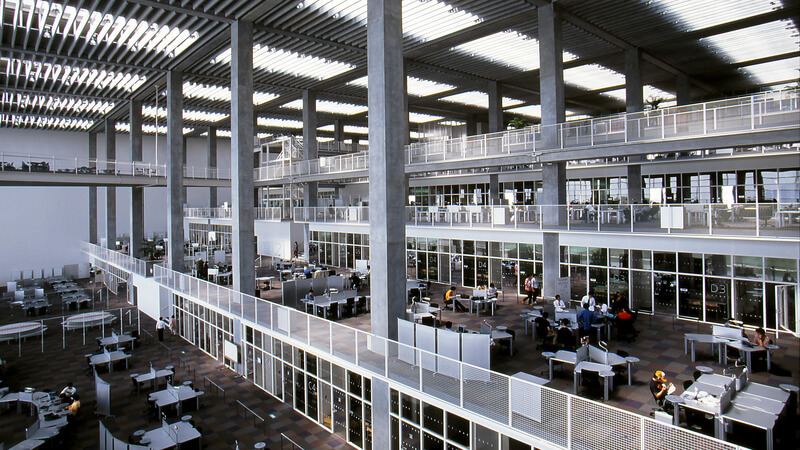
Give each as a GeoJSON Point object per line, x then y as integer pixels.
{"type": "Point", "coordinates": [786, 308]}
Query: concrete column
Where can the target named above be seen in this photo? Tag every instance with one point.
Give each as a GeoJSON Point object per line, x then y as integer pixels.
{"type": "Point", "coordinates": [338, 130]}
{"type": "Point", "coordinates": [175, 191]}
{"type": "Point", "coordinates": [495, 107]}
{"type": "Point", "coordinates": [634, 87]}
{"type": "Point", "coordinates": [551, 268]}
{"type": "Point", "coordinates": [551, 74]}
{"type": "Point", "coordinates": [310, 142]}
{"type": "Point", "coordinates": [683, 89]}
{"type": "Point", "coordinates": [243, 238]}
{"type": "Point", "coordinates": [634, 183]}
{"type": "Point", "coordinates": [111, 191]}
{"type": "Point", "coordinates": [354, 143]}
{"type": "Point", "coordinates": [386, 136]}
{"type": "Point", "coordinates": [212, 163]}
{"type": "Point", "coordinates": [494, 190]}
{"type": "Point", "coordinates": [554, 192]}
{"type": "Point", "coordinates": [93, 191]}
{"type": "Point", "coordinates": [406, 120]}
{"type": "Point", "coordinates": [472, 125]}
{"type": "Point", "coordinates": [137, 193]}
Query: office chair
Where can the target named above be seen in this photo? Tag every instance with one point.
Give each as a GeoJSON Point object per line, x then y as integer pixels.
{"type": "Point", "coordinates": [696, 374]}
{"type": "Point", "coordinates": [687, 384]}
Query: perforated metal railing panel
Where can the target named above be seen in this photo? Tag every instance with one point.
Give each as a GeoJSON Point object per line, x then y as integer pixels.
{"type": "Point", "coordinates": [485, 392]}
{"type": "Point", "coordinates": [661, 435]}
{"type": "Point", "coordinates": [552, 421]}
{"type": "Point", "coordinates": [595, 425]}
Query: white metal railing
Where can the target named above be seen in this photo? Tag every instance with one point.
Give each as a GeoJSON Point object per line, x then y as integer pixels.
{"type": "Point", "coordinates": [340, 147]}
{"type": "Point", "coordinates": [451, 383]}
{"type": "Point", "coordinates": [261, 213]}
{"type": "Point", "coordinates": [738, 219]}
{"type": "Point", "coordinates": [121, 260]}
{"type": "Point", "coordinates": [10, 162]}
{"type": "Point", "coordinates": [772, 110]}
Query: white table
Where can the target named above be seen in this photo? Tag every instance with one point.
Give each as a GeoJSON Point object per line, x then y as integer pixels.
{"type": "Point", "coordinates": [174, 396]}
{"type": "Point", "coordinates": [28, 444]}
{"type": "Point", "coordinates": [481, 301]}
{"type": "Point", "coordinates": [749, 350]}
{"type": "Point", "coordinates": [109, 358]}
{"type": "Point", "coordinates": [115, 340]}
{"type": "Point", "coordinates": [501, 335]}
{"type": "Point", "coordinates": [690, 339]}
{"type": "Point", "coordinates": [604, 370]}
{"type": "Point", "coordinates": [168, 436]}
{"type": "Point", "coordinates": [153, 377]}
{"type": "Point", "coordinates": [266, 280]}
{"type": "Point", "coordinates": [750, 417]}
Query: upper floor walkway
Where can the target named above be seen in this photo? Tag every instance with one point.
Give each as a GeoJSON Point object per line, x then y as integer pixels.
{"type": "Point", "coordinates": [272, 213]}
{"type": "Point", "coordinates": [742, 220]}
{"type": "Point", "coordinates": [760, 119]}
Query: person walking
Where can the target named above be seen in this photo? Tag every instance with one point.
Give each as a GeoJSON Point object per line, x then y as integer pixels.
{"type": "Point", "coordinates": [160, 325]}
{"type": "Point", "coordinates": [173, 324]}
{"type": "Point", "coordinates": [529, 290]}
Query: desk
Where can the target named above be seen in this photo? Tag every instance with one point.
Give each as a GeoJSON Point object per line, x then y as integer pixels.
{"type": "Point", "coordinates": [115, 340]}
{"type": "Point", "coordinates": [20, 330]}
{"type": "Point", "coordinates": [267, 281]}
{"type": "Point", "coordinates": [109, 358]}
{"type": "Point", "coordinates": [562, 356]}
{"type": "Point", "coordinates": [750, 417]}
{"type": "Point", "coordinates": [604, 370]}
{"type": "Point", "coordinates": [530, 378]}
{"type": "Point", "coordinates": [748, 351]}
{"type": "Point", "coordinates": [153, 376]}
{"type": "Point", "coordinates": [224, 277]}
{"type": "Point", "coordinates": [481, 301]}
{"type": "Point", "coordinates": [675, 400]}
{"type": "Point", "coordinates": [28, 444]}
{"type": "Point", "coordinates": [787, 217]}
{"type": "Point", "coordinates": [762, 390]}
{"type": "Point", "coordinates": [170, 435]}
{"type": "Point", "coordinates": [689, 339]}
{"type": "Point", "coordinates": [501, 335]}
{"type": "Point", "coordinates": [757, 403]}
{"type": "Point", "coordinates": [87, 320]}
{"type": "Point", "coordinates": [174, 396]}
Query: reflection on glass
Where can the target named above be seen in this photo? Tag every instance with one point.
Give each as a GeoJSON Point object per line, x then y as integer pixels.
{"type": "Point", "coordinates": [578, 282]}
{"type": "Point", "coordinates": [718, 265]}
{"type": "Point", "coordinates": [718, 299]}
{"type": "Point", "coordinates": [433, 418]}
{"type": "Point", "coordinates": [664, 261]}
{"type": "Point", "coordinates": [779, 269]}
{"type": "Point", "coordinates": [641, 259]}
{"type": "Point", "coordinates": [747, 266]}
{"type": "Point", "coordinates": [410, 437]}
{"type": "Point", "coordinates": [664, 292]}
{"type": "Point", "coordinates": [484, 438]}
{"type": "Point", "coordinates": [469, 271]}
{"type": "Point", "coordinates": [690, 296]}
{"type": "Point", "coordinates": [598, 282]}
{"type": "Point", "coordinates": [409, 408]}
{"type": "Point", "coordinates": [458, 429]}
{"type": "Point", "coordinates": [749, 302]}
{"type": "Point", "coordinates": [355, 415]}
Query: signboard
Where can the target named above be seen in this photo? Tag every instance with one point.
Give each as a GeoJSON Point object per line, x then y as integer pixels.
{"type": "Point", "coordinates": [563, 288]}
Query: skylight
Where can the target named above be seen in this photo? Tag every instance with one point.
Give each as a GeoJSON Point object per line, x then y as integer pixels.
{"type": "Point", "coordinates": [283, 61]}
{"type": "Point", "coordinates": [509, 48]}
{"type": "Point", "coordinates": [279, 123]}
{"type": "Point", "coordinates": [767, 39]}
{"type": "Point", "coordinates": [422, 118]}
{"type": "Point", "coordinates": [648, 93]}
{"type": "Point", "coordinates": [351, 129]}
{"type": "Point", "coordinates": [416, 86]}
{"type": "Point", "coordinates": [220, 93]}
{"type": "Point", "coordinates": [776, 72]}
{"type": "Point", "coordinates": [190, 115]}
{"type": "Point", "coordinates": [39, 72]}
{"type": "Point", "coordinates": [54, 21]}
{"type": "Point", "coordinates": [593, 76]}
{"type": "Point", "coordinates": [50, 102]}
{"type": "Point", "coordinates": [330, 107]}
{"type": "Point", "coordinates": [125, 127]}
{"type": "Point", "coordinates": [29, 120]}
{"type": "Point", "coordinates": [422, 19]}
{"type": "Point", "coordinates": [479, 99]}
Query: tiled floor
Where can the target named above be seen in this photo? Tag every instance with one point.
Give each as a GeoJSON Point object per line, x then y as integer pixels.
{"type": "Point", "coordinates": [659, 345]}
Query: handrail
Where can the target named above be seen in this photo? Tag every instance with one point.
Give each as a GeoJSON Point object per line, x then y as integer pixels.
{"type": "Point", "coordinates": [292, 326]}
{"type": "Point", "coordinates": [255, 416]}
{"type": "Point", "coordinates": [261, 213]}
{"type": "Point", "coordinates": [771, 110]}
{"type": "Point", "coordinates": [295, 445]}
{"type": "Point", "coordinates": [761, 219]}
{"type": "Point", "coordinates": [207, 381]}
{"type": "Point", "coordinates": [28, 163]}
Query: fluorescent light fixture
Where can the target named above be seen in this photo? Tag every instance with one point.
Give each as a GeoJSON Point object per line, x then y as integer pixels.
{"type": "Point", "coordinates": [528, 110]}
{"type": "Point", "coordinates": [36, 71]}
{"type": "Point", "coordinates": [54, 103]}
{"type": "Point", "coordinates": [272, 59]}
{"type": "Point", "coordinates": [329, 107]}
{"type": "Point", "coordinates": [220, 93]}
{"type": "Point", "coordinates": [479, 99]}
{"type": "Point", "coordinates": [417, 87]}
{"type": "Point", "coordinates": [125, 127]}
{"type": "Point", "coordinates": [29, 120]}
{"type": "Point", "coordinates": [94, 27]}
{"type": "Point", "coordinates": [190, 115]}
{"type": "Point", "coordinates": [350, 129]}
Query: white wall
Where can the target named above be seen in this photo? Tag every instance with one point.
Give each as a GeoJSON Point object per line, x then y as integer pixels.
{"type": "Point", "coordinates": [43, 226]}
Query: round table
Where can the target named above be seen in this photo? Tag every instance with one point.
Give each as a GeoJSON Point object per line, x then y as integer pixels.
{"type": "Point", "coordinates": [675, 400]}
{"type": "Point", "coordinates": [260, 445]}
{"type": "Point", "coordinates": [705, 369]}
{"type": "Point", "coordinates": [186, 418]}
{"type": "Point", "coordinates": [501, 328]}
{"type": "Point", "coordinates": [138, 433]}
{"type": "Point", "coordinates": [187, 383]}
{"type": "Point", "coordinates": [631, 360]}
{"type": "Point", "coordinates": [22, 329]}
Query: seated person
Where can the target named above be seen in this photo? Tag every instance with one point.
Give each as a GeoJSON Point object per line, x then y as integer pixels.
{"type": "Point", "coordinates": [625, 328]}
{"type": "Point", "coordinates": [659, 387]}
{"type": "Point", "coordinates": [492, 291]}
{"type": "Point", "coordinates": [564, 337]}
{"type": "Point", "coordinates": [68, 392]}
{"type": "Point", "coordinates": [310, 295]}
{"type": "Point", "coordinates": [760, 338]}
{"type": "Point", "coordinates": [355, 281]}
{"type": "Point", "coordinates": [448, 326]}
{"type": "Point", "coordinates": [542, 326]}
{"type": "Point", "coordinates": [74, 406]}
{"type": "Point", "coordinates": [450, 297]}
{"type": "Point", "coordinates": [602, 310]}
{"type": "Point", "coordinates": [559, 304]}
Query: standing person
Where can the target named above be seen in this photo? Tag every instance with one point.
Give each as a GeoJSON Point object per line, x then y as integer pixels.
{"type": "Point", "coordinates": [534, 288]}
{"type": "Point", "coordinates": [199, 269]}
{"type": "Point", "coordinates": [173, 324]}
{"type": "Point", "coordinates": [296, 250]}
{"type": "Point", "coordinates": [160, 325]}
{"type": "Point", "coordinates": [585, 320]}
{"type": "Point", "coordinates": [588, 299]}
{"type": "Point", "coordinates": [529, 290]}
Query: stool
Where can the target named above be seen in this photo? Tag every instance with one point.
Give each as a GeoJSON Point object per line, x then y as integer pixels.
{"type": "Point", "coordinates": [186, 418]}
{"type": "Point", "coordinates": [187, 383]}
{"type": "Point", "coordinates": [260, 445]}
{"type": "Point", "coordinates": [705, 369]}
{"type": "Point", "coordinates": [144, 440]}
{"type": "Point", "coordinates": [501, 328]}
{"type": "Point", "coordinates": [138, 433]}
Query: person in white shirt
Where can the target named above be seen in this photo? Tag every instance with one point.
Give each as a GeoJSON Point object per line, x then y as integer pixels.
{"type": "Point", "coordinates": [559, 304]}
{"type": "Point", "coordinates": [68, 392]}
{"type": "Point", "coordinates": [160, 325]}
{"type": "Point", "coordinates": [492, 291]}
{"type": "Point", "coordinates": [589, 299]}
